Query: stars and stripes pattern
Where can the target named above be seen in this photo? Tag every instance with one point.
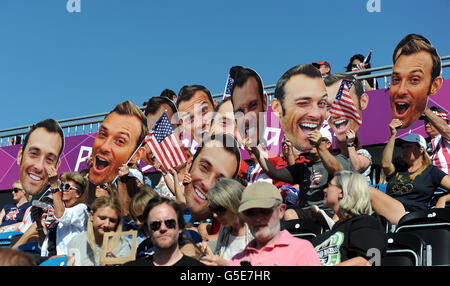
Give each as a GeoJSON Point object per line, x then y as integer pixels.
{"type": "Point", "coordinates": [343, 105]}
{"type": "Point", "coordinates": [165, 144]}
{"type": "Point", "coordinates": [228, 87]}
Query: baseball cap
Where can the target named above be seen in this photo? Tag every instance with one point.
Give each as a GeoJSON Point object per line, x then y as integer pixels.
{"type": "Point", "coordinates": [136, 174]}
{"type": "Point", "coordinates": [326, 134]}
{"type": "Point", "coordinates": [438, 111]}
{"type": "Point", "coordinates": [318, 64]}
{"type": "Point", "coordinates": [412, 137]}
{"type": "Point", "coordinates": [259, 195]}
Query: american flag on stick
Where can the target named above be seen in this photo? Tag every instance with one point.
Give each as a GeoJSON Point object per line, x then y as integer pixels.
{"type": "Point", "coordinates": [228, 87]}
{"type": "Point", "coordinates": [165, 144]}
{"type": "Point", "coordinates": [343, 105]}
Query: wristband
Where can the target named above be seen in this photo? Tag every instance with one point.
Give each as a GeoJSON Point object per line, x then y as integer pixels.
{"type": "Point", "coordinates": [351, 145]}
{"type": "Point", "coordinates": [54, 190]}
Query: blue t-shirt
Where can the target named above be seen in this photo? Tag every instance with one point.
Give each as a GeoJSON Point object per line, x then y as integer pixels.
{"type": "Point", "coordinates": [14, 214]}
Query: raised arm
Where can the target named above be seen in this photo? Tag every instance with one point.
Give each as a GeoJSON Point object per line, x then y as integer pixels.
{"type": "Point", "coordinates": [358, 162]}
{"type": "Point", "coordinates": [330, 162]}
{"type": "Point", "coordinates": [278, 174]}
{"type": "Point", "coordinates": [386, 160]}
{"type": "Point", "coordinates": [440, 124]}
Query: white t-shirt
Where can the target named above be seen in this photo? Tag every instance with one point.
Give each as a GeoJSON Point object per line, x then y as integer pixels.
{"type": "Point", "coordinates": [73, 221]}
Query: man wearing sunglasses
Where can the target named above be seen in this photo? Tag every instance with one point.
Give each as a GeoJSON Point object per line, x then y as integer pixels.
{"type": "Point", "coordinates": [262, 209]}
{"type": "Point", "coordinates": [164, 221]}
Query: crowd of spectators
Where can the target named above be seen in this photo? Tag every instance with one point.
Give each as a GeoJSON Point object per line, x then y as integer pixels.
{"type": "Point", "coordinates": [216, 209]}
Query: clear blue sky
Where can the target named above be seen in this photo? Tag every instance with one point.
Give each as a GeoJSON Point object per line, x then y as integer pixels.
{"type": "Point", "coordinates": [56, 64]}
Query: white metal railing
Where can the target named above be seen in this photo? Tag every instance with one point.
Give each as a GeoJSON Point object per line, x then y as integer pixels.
{"type": "Point", "coordinates": [90, 123]}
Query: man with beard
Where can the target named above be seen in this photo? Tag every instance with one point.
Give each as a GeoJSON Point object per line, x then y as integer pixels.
{"type": "Point", "coordinates": [262, 209]}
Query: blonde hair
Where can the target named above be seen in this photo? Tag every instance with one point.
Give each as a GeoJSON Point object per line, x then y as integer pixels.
{"type": "Point", "coordinates": [140, 200]}
{"type": "Point", "coordinates": [355, 194]}
{"type": "Point", "coordinates": [426, 161]}
{"type": "Point", "coordinates": [226, 193]}
{"type": "Point", "coordinates": [100, 203]}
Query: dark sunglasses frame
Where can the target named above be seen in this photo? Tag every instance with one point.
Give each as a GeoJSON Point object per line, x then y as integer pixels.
{"type": "Point", "coordinates": [16, 190]}
{"type": "Point", "coordinates": [156, 225]}
{"type": "Point", "coordinates": [66, 187]}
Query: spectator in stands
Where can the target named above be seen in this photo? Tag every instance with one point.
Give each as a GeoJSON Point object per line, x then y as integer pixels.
{"type": "Point", "coordinates": [15, 140]}
{"type": "Point", "coordinates": [13, 257]}
{"type": "Point", "coordinates": [417, 60]}
{"type": "Point", "coordinates": [289, 156]}
{"type": "Point", "coordinates": [356, 63]}
{"type": "Point", "coordinates": [138, 203]}
{"type": "Point", "coordinates": [156, 106]}
{"type": "Point", "coordinates": [130, 179]}
{"type": "Point", "coordinates": [262, 209]}
{"type": "Point", "coordinates": [195, 106]}
{"type": "Point", "coordinates": [71, 212]}
{"type": "Point", "coordinates": [12, 215]}
{"type": "Point", "coordinates": [345, 127]}
{"type": "Point", "coordinates": [234, 235]}
{"type": "Point", "coordinates": [41, 149]}
{"type": "Point", "coordinates": [349, 241]}
{"type": "Point", "coordinates": [119, 136]}
{"type": "Point", "coordinates": [249, 103]}
{"type": "Point", "coordinates": [165, 223]}
{"type": "Point", "coordinates": [410, 187]}
{"type": "Point", "coordinates": [438, 131]}
{"type": "Point", "coordinates": [218, 157]}
{"type": "Point", "coordinates": [301, 104]}
{"type": "Point", "coordinates": [324, 67]}
{"type": "Point", "coordinates": [105, 216]}
{"type": "Point", "coordinates": [317, 173]}
{"type": "Point", "coordinates": [170, 94]}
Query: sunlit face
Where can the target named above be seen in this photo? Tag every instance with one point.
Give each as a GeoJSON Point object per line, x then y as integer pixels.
{"type": "Point", "coordinates": [164, 237]}
{"type": "Point", "coordinates": [104, 220]}
{"type": "Point", "coordinates": [40, 153]}
{"type": "Point", "coordinates": [264, 224]}
{"type": "Point", "coordinates": [430, 129]}
{"type": "Point", "coordinates": [196, 114]}
{"type": "Point", "coordinates": [115, 143]}
{"type": "Point", "coordinates": [212, 164]}
{"type": "Point", "coordinates": [249, 110]}
{"type": "Point", "coordinates": [19, 194]}
{"type": "Point", "coordinates": [324, 69]}
{"type": "Point", "coordinates": [410, 86]}
{"type": "Point", "coordinates": [70, 196]}
{"type": "Point", "coordinates": [305, 108]}
{"type": "Point", "coordinates": [332, 194]}
{"type": "Point", "coordinates": [339, 124]}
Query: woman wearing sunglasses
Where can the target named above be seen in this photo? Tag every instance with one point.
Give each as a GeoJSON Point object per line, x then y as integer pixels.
{"type": "Point", "coordinates": [352, 240]}
{"type": "Point", "coordinates": [105, 216]}
{"type": "Point", "coordinates": [71, 212]}
{"type": "Point", "coordinates": [12, 215]}
{"type": "Point", "coordinates": [224, 199]}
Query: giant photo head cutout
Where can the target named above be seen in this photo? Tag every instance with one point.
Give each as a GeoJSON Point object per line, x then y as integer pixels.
{"type": "Point", "coordinates": [217, 157]}
{"type": "Point", "coordinates": [195, 107]}
{"type": "Point", "coordinates": [416, 75]}
{"type": "Point", "coordinates": [120, 135]}
{"type": "Point", "coordinates": [249, 103]}
{"type": "Point", "coordinates": [301, 103]}
{"type": "Point", "coordinates": [40, 155]}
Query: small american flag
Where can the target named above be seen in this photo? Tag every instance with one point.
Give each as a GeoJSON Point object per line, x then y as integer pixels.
{"type": "Point", "coordinates": [343, 105]}
{"type": "Point", "coordinates": [228, 87]}
{"type": "Point", "coordinates": [165, 144]}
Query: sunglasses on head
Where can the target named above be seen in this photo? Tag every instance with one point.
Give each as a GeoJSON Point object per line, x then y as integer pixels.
{"type": "Point", "coordinates": [156, 225]}
{"type": "Point", "coordinates": [16, 190]}
{"type": "Point", "coordinates": [217, 209]}
{"type": "Point", "coordinates": [67, 187]}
